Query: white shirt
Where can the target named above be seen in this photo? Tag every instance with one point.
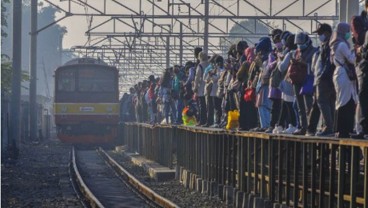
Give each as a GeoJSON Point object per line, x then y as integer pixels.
{"type": "Point", "coordinates": [344, 87]}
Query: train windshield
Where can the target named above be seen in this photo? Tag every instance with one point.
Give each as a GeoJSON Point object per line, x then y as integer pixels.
{"type": "Point", "coordinates": [66, 81]}
{"type": "Point", "coordinates": [96, 80]}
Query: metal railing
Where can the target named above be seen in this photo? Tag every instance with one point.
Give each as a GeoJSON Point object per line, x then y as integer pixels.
{"type": "Point", "coordinates": [295, 171]}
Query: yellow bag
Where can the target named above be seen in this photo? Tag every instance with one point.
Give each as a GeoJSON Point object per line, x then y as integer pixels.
{"type": "Point", "coordinates": [232, 119]}
{"type": "Point", "coordinates": [188, 120]}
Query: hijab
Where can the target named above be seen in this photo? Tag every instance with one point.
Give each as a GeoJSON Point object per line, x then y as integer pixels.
{"type": "Point", "coordinates": [338, 36]}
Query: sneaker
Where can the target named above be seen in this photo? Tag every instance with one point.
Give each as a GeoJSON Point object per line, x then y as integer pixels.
{"type": "Point", "coordinates": [291, 129]}
{"type": "Point", "coordinates": [277, 130]}
{"type": "Point", "coordinates": [269, 130]}
{"type": "Point", "coordinates": [214, 126]}
{"type": "Point", "coordinates": [310, 133]}
{"type": "Point", "coordinates": [325, 133]}
{"type": "Point", "coordinates": [357, 136]}
{"type": "Point", "coordinates": [301, 131]}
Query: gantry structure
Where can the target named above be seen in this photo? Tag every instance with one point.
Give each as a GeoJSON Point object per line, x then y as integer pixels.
{"type": "Point", "coordinates": [143, 37]}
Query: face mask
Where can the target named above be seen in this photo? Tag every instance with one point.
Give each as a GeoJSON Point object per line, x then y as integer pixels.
{"type": "Point", "coordinates": [283, 42]}
{"type": "Point", "coordinates": [302, 46]}
{"type": "Point", "coordinates": [322, 38]}
{"type": "Point", "coordinates": [279, 45]}
{"type": "Point", "coordinates": [347, 36]}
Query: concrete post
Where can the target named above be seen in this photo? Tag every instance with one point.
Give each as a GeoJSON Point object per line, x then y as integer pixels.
{"type": "Point", "coordinates": [342, 10]}
{"type": "Point", "coordinates": [352, 9]}
{"type": "Point", "coordinates": [16, 79]}
{"type": "Point", "coordinates": [205, 38]}
{"type": "Point", "coordinates": [167, 52]}
{"type": "Point", "coordinates": [33, 72]}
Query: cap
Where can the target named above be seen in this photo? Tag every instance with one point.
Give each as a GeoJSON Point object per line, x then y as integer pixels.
{"type": "Point", "coordinates": [323, 28]}
{"type": "Point", "coordinates": [301, 38]}
{"type": "Point", "coordinates": [285, 35]}
{"type": "Point", "coordinates": [275, 32]}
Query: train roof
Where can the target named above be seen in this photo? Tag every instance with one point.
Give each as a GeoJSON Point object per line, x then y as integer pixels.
{"type": "Point", "coordinates": [85, 61]}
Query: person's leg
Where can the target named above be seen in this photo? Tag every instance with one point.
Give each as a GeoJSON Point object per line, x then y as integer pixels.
{"type": "Point", "coordinates": [301, 111]}
{"type": "Point", "coordinates": [275, 111]}
{"type": "Point", "coordinates": [210, 110]}
{"type": "Point", "coordinates": [314, 116]}
{"type": "Point", "coordinates": [217, 103]}
{"type": "Point", "coordinates": [326, 103]}
{"type": "Point", "coordinates": [345, 119]}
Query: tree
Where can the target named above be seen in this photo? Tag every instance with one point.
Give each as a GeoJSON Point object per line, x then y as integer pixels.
{"type": "Point", "coordinates": [4, 23]}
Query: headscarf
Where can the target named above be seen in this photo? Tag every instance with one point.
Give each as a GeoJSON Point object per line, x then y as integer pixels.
{"type": "Point", "coordinates": [338, 36]}
{"type": "Point", "coordinates": [265, 47]}
{"type": "Point", "coordinates": [249, 54]}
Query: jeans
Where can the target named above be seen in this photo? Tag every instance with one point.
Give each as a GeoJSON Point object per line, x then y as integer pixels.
{"type": "Point", "coordinates": [264, 109]}
{"type": "Point", "coordinates": [326, 97]}
{"type": "Point", "coordinates": [363, 100]}
{"type": "Point", "coordinates": [167, 106]}
{"type": "Point", "coordinates": [304, 103]}
{"type": "Point", "coordinates": [210, 110]}
{"type": "Point", "coordinates": [218, 111]}
{"type": "Point", "coordinates": [287, 114]}
{"type": "Point", "coordinates": [275, 111]}
{"type": "Point", "coordinates": [202, 108]}
{"type": "Point", "coordinates": [179, 109]}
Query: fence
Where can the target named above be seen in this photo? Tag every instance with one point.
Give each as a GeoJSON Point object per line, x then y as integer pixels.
{"type": "Point", "coordinates": [293, 171]}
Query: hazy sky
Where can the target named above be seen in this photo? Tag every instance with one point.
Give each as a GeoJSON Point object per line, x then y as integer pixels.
{"type": "Point", "coordinates": [77, 25]}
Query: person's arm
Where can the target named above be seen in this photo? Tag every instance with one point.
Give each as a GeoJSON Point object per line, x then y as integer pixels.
{"type": "Point", "coordinates": [284, 64]}
{"type": "Point", "coordinates": [348, 55]}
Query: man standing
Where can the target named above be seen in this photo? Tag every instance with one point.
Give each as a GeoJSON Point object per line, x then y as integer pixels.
{"type": "Point", "coordinates": [324, 97]}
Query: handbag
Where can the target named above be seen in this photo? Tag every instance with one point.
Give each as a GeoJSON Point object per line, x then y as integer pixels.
{"type": "Point", "coordinates": [249, 94]}
{"type": "Point", "coordinates": [307, 88]}
{"type": "Point", "coordinates": [349, 68]}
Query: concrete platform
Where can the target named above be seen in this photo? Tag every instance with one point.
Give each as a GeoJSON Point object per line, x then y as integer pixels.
{"type": "Point", "coordinates": [156, 171]}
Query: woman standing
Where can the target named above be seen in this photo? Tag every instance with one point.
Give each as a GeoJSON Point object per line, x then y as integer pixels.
{"type": "Point", "coordinates": [345, 87]}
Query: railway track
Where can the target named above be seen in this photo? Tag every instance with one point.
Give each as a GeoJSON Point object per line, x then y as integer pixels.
{"type": "Point", "coordinates": [101, 182]}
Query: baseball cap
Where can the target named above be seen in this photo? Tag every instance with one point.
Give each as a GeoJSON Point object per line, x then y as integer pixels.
{"type": "Point", "coordinates": [323, 28]}
{"type": "Point", "coordinates": [275, 32]}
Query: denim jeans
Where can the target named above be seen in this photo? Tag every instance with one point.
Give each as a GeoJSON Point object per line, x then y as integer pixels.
{"type": "Point", "coordinates": [167, 106]}
{"type": "Point", "coordinates": [264, 109]}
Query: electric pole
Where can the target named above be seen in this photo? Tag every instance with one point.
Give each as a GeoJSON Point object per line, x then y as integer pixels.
{"type": "Point", "coordinates": [16, 79]}
{"type": "Point", "coordinates": [33, 72]}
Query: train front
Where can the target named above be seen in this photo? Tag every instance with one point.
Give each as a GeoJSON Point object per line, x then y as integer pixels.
{"type": "Point", "coordinates": [86, 102]}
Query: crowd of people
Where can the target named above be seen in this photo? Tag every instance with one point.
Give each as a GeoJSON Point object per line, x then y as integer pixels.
{"type": "Point", "coordinates": [282, 84]}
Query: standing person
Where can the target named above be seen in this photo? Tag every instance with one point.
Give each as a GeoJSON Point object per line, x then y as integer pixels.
{"type": "Point", "coordinates": [275, 77]}
{"type": "Point", "coordinates": [217, 100]}
{"type": "Point", "coordinates": [346, 92]}
{"type": "Point", "coordinates": [165, 95]}
{"type": "Point", "coordinates": [304, 102]}
{"type": "Point", "coordinates": [263, 49]}
{"type": "Point", "coordinates": [198, 88]}
{"type": "Point", "coordinates": [325, 96]}
{"type": "Point", "coordinates": [363, 90]}
{"type": "Point", "coordinates": [288, 117]}
{"type": "Point", "coordinates": [209, 90]}
{"type": "Point", "coordinates": [248, 117]}
{"type": "Point", "coordinates": [152, 105]}
{"type": "Point", "coordinates": [176, 92]}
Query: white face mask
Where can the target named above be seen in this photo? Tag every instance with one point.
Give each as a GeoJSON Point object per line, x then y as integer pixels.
{"type": "Point", "coordinates": [322, 38]}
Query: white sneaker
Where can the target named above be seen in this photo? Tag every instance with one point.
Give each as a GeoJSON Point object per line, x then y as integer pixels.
{"type": "Point", "coordinates": [290, 130]}
{"type": "Point", "coordinates": [277, 130]}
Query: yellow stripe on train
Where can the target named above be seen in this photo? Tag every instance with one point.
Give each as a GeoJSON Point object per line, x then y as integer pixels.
{"type": "Point", "coordinates": [86, 108]}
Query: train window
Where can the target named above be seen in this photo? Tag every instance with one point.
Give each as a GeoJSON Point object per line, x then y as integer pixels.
{"type": "Point", "coordinates": [96, 80]}
{"type": "Point", "coordinates": [66, 81]}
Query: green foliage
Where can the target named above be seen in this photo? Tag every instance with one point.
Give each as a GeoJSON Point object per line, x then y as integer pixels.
{"type": "Point", "coordinates": [7, 73]}
{"type": "Point", "coordinates": [4, 23]}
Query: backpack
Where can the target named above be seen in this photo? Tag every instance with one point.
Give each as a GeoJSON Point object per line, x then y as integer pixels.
{"type": "Point", "coordinates": [298, 69]}
{"type": "Point", "coordinates": [359, 25]}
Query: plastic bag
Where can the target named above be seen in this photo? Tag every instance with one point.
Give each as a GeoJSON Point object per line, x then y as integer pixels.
{"type": "Point", "coordinates": [232, 119]}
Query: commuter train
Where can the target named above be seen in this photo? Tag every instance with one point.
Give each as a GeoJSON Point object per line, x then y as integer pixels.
{"type": "Point", "coordinates": [86, 103]}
